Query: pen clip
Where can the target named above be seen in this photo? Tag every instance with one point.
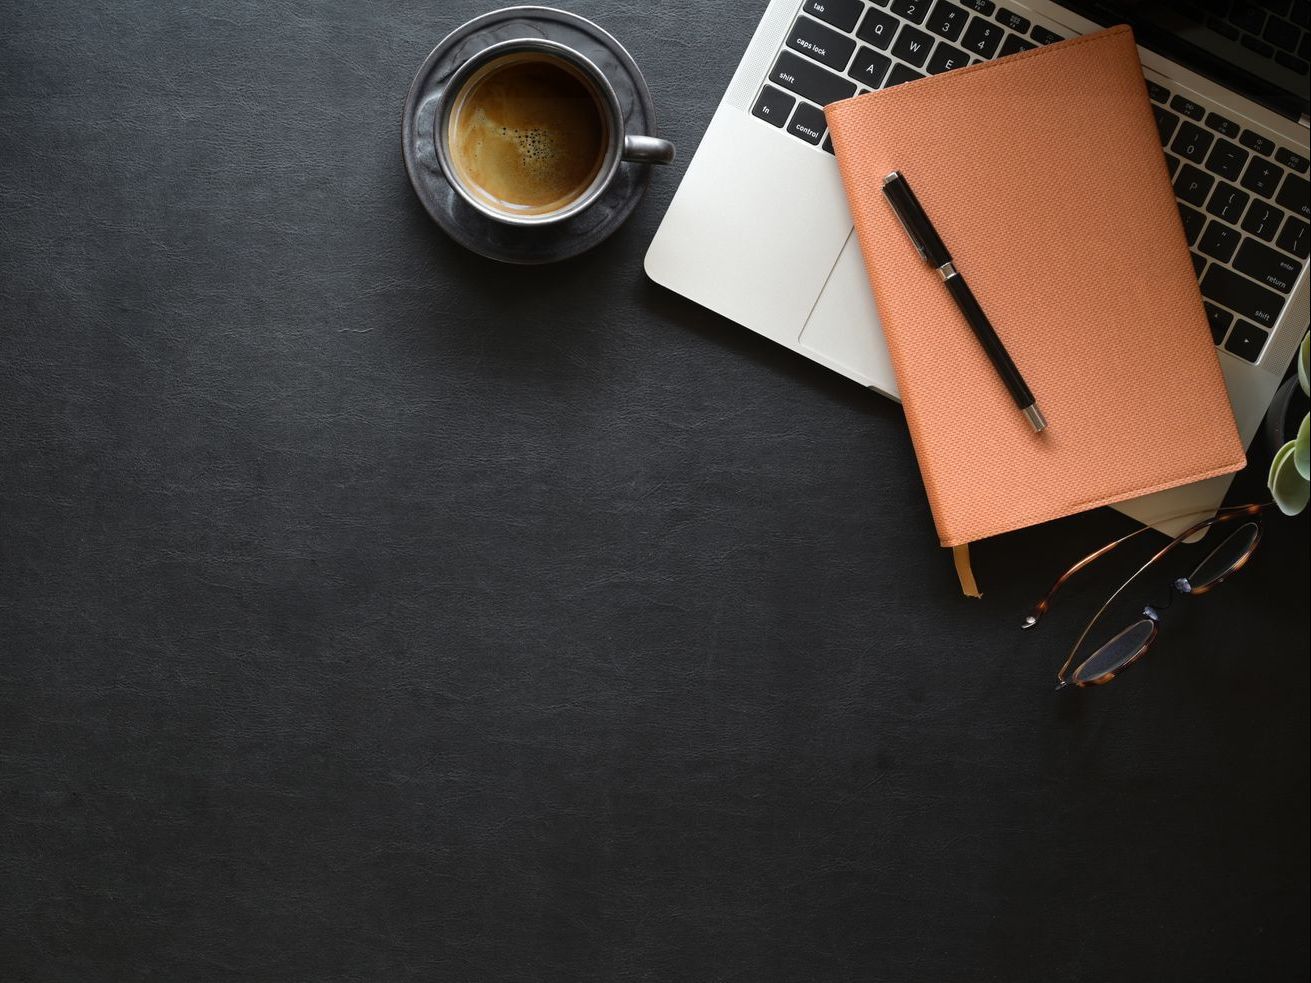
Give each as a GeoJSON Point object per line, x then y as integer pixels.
{"type": "Point", "coordinates": [892, 203]}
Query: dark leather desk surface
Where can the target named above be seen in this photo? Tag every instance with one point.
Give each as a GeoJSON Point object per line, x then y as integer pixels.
{"type": "Point", "coordinates": [370, 611]}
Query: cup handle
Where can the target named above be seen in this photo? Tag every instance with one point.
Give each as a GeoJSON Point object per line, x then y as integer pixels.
{"type": "Point", "coordinates": [648, 150]}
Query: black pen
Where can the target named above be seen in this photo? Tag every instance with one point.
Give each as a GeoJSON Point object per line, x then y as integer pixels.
{"type": "Point", "coordinates": [929, 245]}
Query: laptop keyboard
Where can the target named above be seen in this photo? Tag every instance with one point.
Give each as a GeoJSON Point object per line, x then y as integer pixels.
{"type": "Point", "coordinates": [1243, 197]}
{"type": "Point", "coordinates": [1274, 29]}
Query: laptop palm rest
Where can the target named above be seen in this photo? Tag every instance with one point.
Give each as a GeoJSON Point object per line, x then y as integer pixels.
{"type": "Point", "coordinates": [843, 331]}
{"type": "Point", "coordinates": [763, 259]}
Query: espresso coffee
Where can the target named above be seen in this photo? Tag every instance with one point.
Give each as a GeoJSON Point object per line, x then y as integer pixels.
{"type": "Point", "coordinates": [528, 134]}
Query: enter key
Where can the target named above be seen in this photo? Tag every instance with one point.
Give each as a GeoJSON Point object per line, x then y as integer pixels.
{"type": "Point", "coordinates": [1269, 266]}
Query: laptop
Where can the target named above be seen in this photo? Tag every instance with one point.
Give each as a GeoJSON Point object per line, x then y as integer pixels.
{"type": "Point", "coordinates": [759, 229]}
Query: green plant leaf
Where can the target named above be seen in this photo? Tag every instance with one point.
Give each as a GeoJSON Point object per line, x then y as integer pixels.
{"type": "Point", "coordinates": [1290, 489]}
{"type": "Point", "coordinates": [1303, 369]}
{"type": "Point", "coordinates": [1280, 454]}
{"type": "Point", "coordinates": [1302, 448]}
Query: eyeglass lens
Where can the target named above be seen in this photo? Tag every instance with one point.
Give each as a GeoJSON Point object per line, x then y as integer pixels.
{"type": "Point", "coordinates": [1117, 652]}
{"type": "Point", "coordinates": [1222, 560]}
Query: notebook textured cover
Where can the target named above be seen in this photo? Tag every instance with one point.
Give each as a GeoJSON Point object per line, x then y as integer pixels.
{"type": "Point", "coordinates": [1044, 175]}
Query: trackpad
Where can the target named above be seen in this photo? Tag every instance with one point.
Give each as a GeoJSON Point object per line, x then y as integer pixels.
{"type": "Point", "coordinates": [843, 330]}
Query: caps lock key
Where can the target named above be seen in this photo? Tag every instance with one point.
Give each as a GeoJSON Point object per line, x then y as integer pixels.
{"type": "Point", "coordinates": [825, 45]}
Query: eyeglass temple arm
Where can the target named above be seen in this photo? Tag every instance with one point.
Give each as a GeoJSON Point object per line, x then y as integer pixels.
{"type": "Point", "coordinates": [1042, 606]}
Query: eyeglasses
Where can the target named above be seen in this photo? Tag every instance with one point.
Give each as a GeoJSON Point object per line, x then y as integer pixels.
{"type": "Point", "coordinates": [1132, 643]}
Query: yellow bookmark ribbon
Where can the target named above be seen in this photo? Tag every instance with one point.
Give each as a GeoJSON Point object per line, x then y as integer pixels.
{"type": "Point", "coordinates": [960, 555]}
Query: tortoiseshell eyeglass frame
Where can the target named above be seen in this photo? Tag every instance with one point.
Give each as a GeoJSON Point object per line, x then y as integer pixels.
{"type": "Point", "coordinates": [1182, 585]}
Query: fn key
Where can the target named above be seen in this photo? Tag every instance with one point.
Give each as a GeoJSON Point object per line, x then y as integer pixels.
{"type": "Point", "coordinates": [773, 105]}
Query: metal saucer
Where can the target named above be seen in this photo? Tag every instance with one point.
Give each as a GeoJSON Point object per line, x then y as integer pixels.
{"type": "Point", "coordinates": [472, 229]}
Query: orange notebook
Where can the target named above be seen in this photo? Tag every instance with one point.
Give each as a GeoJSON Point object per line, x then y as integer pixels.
{"type": "Point", "coordinates": [1044, 175]}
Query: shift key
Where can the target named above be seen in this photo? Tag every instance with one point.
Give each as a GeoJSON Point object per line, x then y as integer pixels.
{"type": "Point", "coordinates": [1267, 265]}
{"type": "Point", "coordinates": [1241, 295]}
{"type": "Point", "coordinates": [809, 81]}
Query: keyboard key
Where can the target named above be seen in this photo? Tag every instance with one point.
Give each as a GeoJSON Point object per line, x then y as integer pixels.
{"type": "Point", "coordinates": [1186, 106]}
{"type": "Point", "coordinates": [1013, 20]}
{"type": "Point", "coordinates": [869, 67]}
{"type": "Point", "coordinates": [773, 106]}
{"type": "Point", "coordinates": [808, 80]}
{"type": "Point", "coordinates": [1228, 203]}
{"type": "Point", "coordinates": [1294, 238]}
{"type": "Point", "coordinates": [1157, 92]}
{"type": "Point", "coordinates": [1247, 18]}
{"type": "Point", "coordinates": [982, 38]}
{"type": "Point", "coordinates": [899, 74]}
{"type": "Point", "coordinates": [912, 46]}
{"type": "Point", "coordinates": [877, 28]}
{"type": "Point", "coordinates": [1044, 36]}
{"type": "Point", "coordinates": [807, 123]}
{"type": "Point", "coordinates": [1219, 319]}
{"type": "Point", "coordinates": [1014, 44]}
{"type": "Point", "coordinates": [1262, 177]}
{"type": "Point", "coordinates": [1246, 341]}
{"type": "Point", "coordinates": [1192, 143]}
{"type": "Point", "coordinates": [1193, 223]}
{"type": "Point", "coordinates": [842, 14]}
{"type": "Point", "coordinates": [1221, 125]}
{"type": "Point", "coordinates": [1254, 141]}
{"type": "Point", "coordinates": [1293, 195]}
{"type": "Point", "coordinates": [1219, 241]}
{"type": "Point", "coordinates": [945, 58]}
{"type": "Point", "coordinates": [1266, 265]}
{"type": "Point", "coordinates": [1292, 62]}
{"type": "Point", "coordinates": [1171, 163]}
{"type": "Point", "coordinates": [1223, 28]}
{"type": "Point", "coordinates": [1289, 159]}
{"type": "Point", "coordinates": [824, 44]}
{"type": "Point", "coordinates": [1262, 220]}
{"type": "Point", "coordinates": [1242, 296]}
{"type": "Point", "coordinates": [1257, 45]}
{"type": "Point", "coordinates": [828, 145]}
{"type": "Point", "coordinates": [1199, 264]}
{"type": "Point", "coordinates": [947, 20]}
{"type": "Point", "coordinates": [1227, 159]}
{"type": "Point", "coordinates": [1282, 34]}
{"type": "Point", "coordinates": [1166, 121]}
{"type": "Point", "coordinates": [984, 7]}
{"type": "Point", "coordinates": [1193, 185]}
{"type": "Point", "coordinates": [911, 10]}
{"type": "Point", "coordinates": [1217, 7]}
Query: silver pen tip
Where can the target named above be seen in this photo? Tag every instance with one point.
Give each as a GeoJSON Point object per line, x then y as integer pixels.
{"type": "Point", "coordinates": [1035, 418]}
{"type": "Point", "coordinates": [889, 178]}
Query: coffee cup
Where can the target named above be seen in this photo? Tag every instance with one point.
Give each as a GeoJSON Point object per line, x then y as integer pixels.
{"type": "Point", "coordinates": [529, 132]}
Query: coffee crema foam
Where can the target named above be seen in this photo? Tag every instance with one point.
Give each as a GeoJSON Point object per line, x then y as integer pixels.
{"type": "Point", "coordinates": [528, 134]}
